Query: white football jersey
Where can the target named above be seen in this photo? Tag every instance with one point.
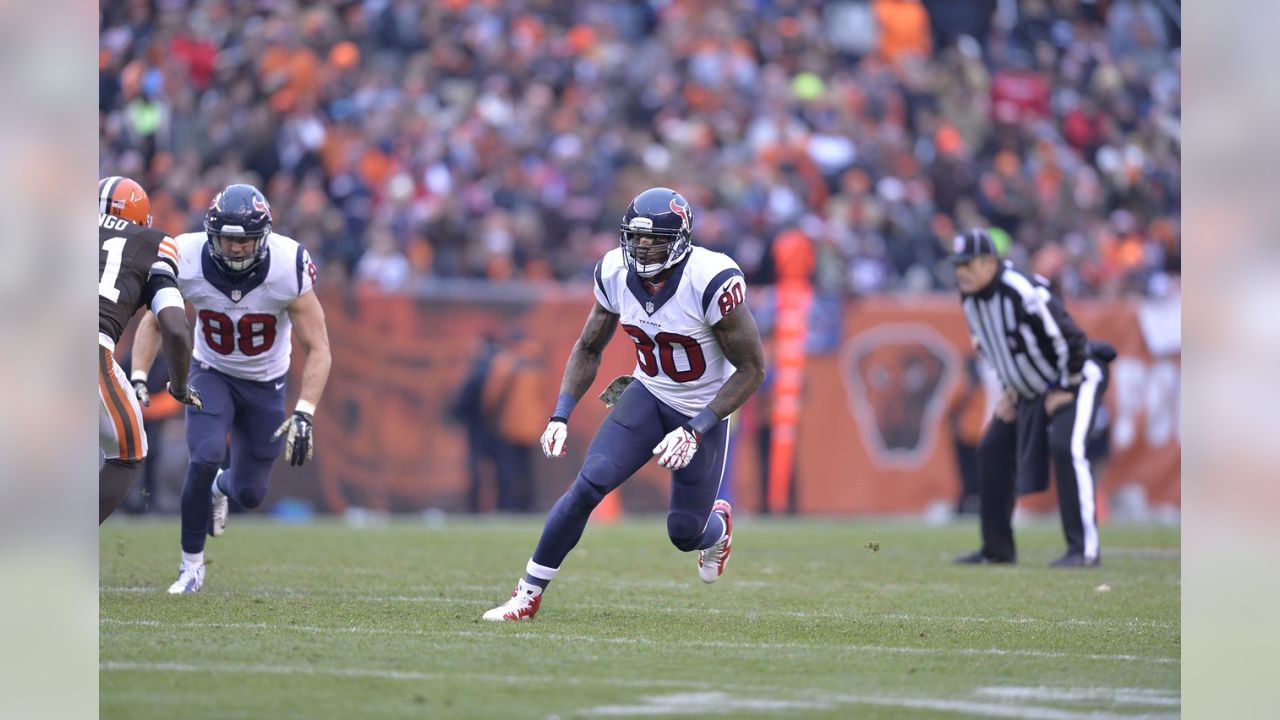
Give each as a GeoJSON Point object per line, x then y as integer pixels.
{"type": "Point", "coordinates": [241, 326]}
{"type": "Point", "coordinates": [677, 357]}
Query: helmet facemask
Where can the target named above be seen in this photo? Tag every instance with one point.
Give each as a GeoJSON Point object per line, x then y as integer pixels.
{"type": "Point", "coordinates": [647, 252]}
{"type": "Point", "coordinates": [232, 235]}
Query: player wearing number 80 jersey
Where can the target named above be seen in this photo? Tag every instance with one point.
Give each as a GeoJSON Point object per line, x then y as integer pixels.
{"type": "Point", "coordinates": [698, 358]}
{"type": "Point", "coordinates": [678, 358]}
{"type": "Point", "coordinates": [250, 288]}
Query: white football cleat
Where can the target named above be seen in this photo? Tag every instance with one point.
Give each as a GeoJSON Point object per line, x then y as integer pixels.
{"type": "Point", "coordinates": [711, 561]}
{"type": "Point", "coordinates": [523, 604]}
{"type": "Point", "coordinates": [218, 510]}
{"type": "Point", "coordinates": [190, 578]}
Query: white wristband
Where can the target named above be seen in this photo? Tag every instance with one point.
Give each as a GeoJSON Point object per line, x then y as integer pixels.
{"type": "Point", "coordinates": [306, 407]}
{"type": "Point", "coordinates": [138, 376]}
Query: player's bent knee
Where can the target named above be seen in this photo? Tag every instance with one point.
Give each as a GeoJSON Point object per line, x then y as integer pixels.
{"type": "Point", "coordinates": [251, 497]}
{"type": "Point", "coordinates": [583, 496]}
{"type": "Point", "coordinates": [597, 477]}
{"type": "Point", "coordinates": [210, 452]}
{"type": "Point", "coordinates": [685, 530]}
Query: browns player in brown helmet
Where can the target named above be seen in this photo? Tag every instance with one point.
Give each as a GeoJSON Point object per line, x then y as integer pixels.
{"type": "Point", "coordinates": [137, 267]}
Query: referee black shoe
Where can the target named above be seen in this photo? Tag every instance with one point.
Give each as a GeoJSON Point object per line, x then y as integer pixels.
{"type": "Point", "coordinates": [977, 558]}
{"type": "Point", "coordinates": [1075, 560]}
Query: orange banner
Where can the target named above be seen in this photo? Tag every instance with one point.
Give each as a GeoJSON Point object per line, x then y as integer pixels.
{"type": "Point", "coordinates": [874, 435]}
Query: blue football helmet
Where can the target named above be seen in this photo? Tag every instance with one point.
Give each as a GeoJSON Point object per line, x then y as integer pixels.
{"type": "Point", "coordinates": [238, 213]}
{"type": "Point", "coordinates": [666, 218]}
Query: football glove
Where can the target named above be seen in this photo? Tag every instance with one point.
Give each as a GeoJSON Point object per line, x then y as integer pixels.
{"type": "Point", "coordinates": [553, 438]}
{"type": "Point", "coordinates": [140, 389]}
{"type": "Point", "coordinates": [677, 448]}
{"type": "Point", "coordinates": [297, 444]}
{"type": "Point", "coordinates": [188, 396]}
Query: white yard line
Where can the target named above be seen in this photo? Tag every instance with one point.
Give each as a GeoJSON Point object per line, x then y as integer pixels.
{"type": "Point", "coordinates": [715, 703]}
{"type": "Point", "coordinates": [1117, 696]}
{"type": "Point", "coordinates": [714, 644]}
{"type": "Point", "coordinates": [851, 614]}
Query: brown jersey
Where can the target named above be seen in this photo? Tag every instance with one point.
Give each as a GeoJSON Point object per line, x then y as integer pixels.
{"type": "Point", "coordinates": [134, 263]}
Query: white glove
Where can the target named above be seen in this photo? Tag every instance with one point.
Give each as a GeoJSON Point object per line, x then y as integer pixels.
{"type": "Point", "coordinates": [553, 439]}
{"type": "Point", "coordinates": [677, 448]}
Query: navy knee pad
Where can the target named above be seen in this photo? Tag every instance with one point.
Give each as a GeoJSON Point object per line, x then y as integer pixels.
{"type": "Point", "coordinates": [594, 482]}
{"type": "Point", "coordinates": [209, 449]}
{"type": "Point", "coordinates": [583, 496]}
{"type": "Point", "coordinates": [685, 530]}
{"type": "Point", "coordinates": [251, 497]}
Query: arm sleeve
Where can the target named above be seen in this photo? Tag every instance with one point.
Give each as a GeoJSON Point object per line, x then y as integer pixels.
{"type": "Point", "coordinates": [161, 291]}
{"type": "Point", "coordinates": [306, 271]}
{"type": "Point", "coordinates": [602, 294]}
{"type": "Point", "coordinates": [726, 291]}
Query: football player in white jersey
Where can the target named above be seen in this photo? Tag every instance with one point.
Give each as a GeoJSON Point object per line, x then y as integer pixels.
{"type": "Point", "coordinates": [698, 358]}
{"type": "Point", "coordinates": [251, 288]}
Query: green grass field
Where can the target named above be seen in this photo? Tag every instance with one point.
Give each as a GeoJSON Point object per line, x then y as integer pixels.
{"type": "Point", "coordinates": [810, 620]}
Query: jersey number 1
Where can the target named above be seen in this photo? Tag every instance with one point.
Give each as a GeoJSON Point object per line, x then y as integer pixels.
{"type": "Point", "coordinates": [256, 331]}
{"type": "Point", "coordinates": [115, 255]}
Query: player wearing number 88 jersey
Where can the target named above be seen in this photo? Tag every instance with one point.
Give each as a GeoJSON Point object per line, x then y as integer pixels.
{"type": "Point", "coordinates": [250, 288]}
{"type": "Point", "coordinates": [698, 358]}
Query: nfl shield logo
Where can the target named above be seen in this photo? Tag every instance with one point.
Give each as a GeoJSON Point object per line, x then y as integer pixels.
{"type": "Point", "coordinates": [235, 296]}
{"type": "Point", "coordinates": [648, 307]}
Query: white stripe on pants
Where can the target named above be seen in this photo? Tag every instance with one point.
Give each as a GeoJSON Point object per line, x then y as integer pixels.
{"type": "Point", "coordinates": [1086, 398]}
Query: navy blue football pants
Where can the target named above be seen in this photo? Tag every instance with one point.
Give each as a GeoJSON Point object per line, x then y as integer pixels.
{"type": "Point", "coordinates": [250, 412]}
{"type": "Point", "coordinates": [622, 445]}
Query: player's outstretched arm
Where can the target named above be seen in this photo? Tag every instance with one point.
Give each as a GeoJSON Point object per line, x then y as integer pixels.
{"type": "Point", "coordinates": [146, 344]}
{"type": "Point", "coordinates": [739, 340]}
{"type": "Point", "coordinates": [584, 359]}
{"type": "Point", "coordinates": [308, 320]}
{"type": "Point", "coordinates": [175, 336]}
{"type": "Point", "coordinates": [307, 316]}
{"type": "Point", "coordinates": [579, 372]}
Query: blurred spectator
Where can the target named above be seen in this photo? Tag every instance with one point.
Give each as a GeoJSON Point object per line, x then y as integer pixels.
{"type": "Point", "coordinates": [512, 403]}
{"type": "Point", "coordinates": [465, 410]}
{"type": "Point", "coordinates": [966, 417]}
{"type": "Point", "coordinates": [502, 140]}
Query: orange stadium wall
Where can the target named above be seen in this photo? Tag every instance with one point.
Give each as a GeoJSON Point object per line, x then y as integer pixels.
{"type": "Point", "coordinates": [874, 435]}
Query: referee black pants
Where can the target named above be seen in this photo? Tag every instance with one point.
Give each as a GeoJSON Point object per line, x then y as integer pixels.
{"type": "Point", "coordinates": [1010, 449]}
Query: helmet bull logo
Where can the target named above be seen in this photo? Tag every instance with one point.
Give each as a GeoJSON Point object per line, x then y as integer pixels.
{"type": "Point", "coordinates": [682, 211]}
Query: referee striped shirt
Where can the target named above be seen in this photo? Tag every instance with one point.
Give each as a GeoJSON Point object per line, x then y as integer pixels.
{"type": "Point", "coordinates": [1025, 333]}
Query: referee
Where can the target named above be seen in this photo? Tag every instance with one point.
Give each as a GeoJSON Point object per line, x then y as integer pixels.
{"type": "Point", "coordinates": [1053, 379]}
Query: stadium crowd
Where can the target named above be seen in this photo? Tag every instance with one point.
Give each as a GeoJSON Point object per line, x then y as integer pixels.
{"type": "Point", "coordinates": [501, 140]}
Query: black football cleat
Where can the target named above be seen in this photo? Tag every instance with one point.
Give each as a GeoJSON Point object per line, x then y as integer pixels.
{"type": "Point", "coordinates": [1076, 560]}
{"type": "Point", "coordinates": [977, 558]}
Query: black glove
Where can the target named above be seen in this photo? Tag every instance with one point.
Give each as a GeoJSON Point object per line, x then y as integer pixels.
{"type": "Point", "coordinates": [140, 389]}
{"type": "Point", "coordinates": [186, 396]}
{"type": "Point", "coordinates": [297, 445]}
